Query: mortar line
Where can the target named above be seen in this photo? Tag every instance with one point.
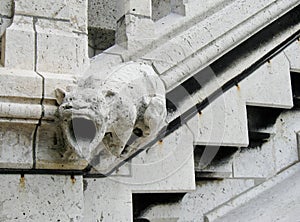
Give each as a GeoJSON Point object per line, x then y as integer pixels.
{"type": "Point", "coordinates": [43, 17]}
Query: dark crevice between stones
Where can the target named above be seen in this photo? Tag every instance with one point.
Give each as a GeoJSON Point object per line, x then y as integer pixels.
{"type": "Point", "coordinates": [35, 134]}
{"type": "Point", "coordinates": [142, 201]}
{"type": "Point", "coordinates": [100, 39]}
{"type": "Point", "coordinates": [295, 79]}
{"type": "Point", "coordinates": [261, 117]}
{"type": "Point", "coordinates": [223, 154]}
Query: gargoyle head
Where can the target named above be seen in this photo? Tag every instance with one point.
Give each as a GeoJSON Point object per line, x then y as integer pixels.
{"type": "Point", "coordinates": [83, 116]}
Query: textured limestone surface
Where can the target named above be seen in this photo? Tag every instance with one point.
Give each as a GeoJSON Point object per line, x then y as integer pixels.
{"type": "Point", "coordinates": [223, 122]}
{"type": "Point", "coordinates": [16, 142]}
{"type": "Point", "coordinates": [18, 52]}
{"type": "Point", "coordinates": [293, 54]}
{"type": "Point", "coordinates": [256, 162]}
{"type": "Point", "coordinates": [35, 198]}
{"type": "Point", "coordinates": [107, 200]}
{"type": "Point", "coordinates": [174, 155]}
{"type": "Point", "coordinates": [102, 14]}
{"type": "Point", "coordinates": [258, 91]}
{"type": "Point", "coordinates": [279, 197]}
{"type": "Point", "coordinates": [207, 196]}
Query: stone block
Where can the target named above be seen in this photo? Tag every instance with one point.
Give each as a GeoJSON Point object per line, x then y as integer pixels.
{"type": "Point", "coordinates": [107, 200]}
{"type": "Point", "coordinates": [177, 49]}
{"type": "Point", "coordinates": [160, 9]}
{"type": "Point", "coordinates": [51, 9]}
{"type": "Point", "coordinates": [20, 83]}
{"type": "Point", "coordinates": [54, 81]}
{"type": "Point", "coordinates": [174, 155]}
{"type": "Point", "coordinates": [207, 196]}
{"type": "Point", "coordinates": [108, 12]}
{"type": "Point", "coordinates": [41, 198]}
{"type": "Point", "coordinates": [4, 23]}
{"type": "Point", "coordinates": [264, 87]}
{"type": "Point", "coordinates": [78, 14]}
{"type": "Point", "coordinates": [293, 54]}
{"type": "Point", "coordinates": [255, 162]}
{"type": "Point", "coordinates": [19, 39]}
{"type": "Point", "coordinates": [277, 193]}
{"type": "Point", "coordinates": [214, 162]}
{"type": "Point", "coordinates": [285, 140]}
{"type": "Point", "coordinates": [16, 142]}
{"type": "Point", "coordinates": [51, 152]}
{"type": "Point", "coordinates": [6, 8]}
{"type": "Point", "coordinates": [60, 51]}
{"type": "Point", "coordinates": [135, 7]}
{"type": "Point", "coordinates": [134, 32]}
{"type": "Point", "coordinates": [223, 122]}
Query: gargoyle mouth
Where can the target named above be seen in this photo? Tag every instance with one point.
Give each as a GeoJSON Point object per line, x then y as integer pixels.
{"type": "Point", "coordinates": [82, 130]}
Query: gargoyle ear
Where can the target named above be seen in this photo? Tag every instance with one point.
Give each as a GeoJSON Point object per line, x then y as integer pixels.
{"type": "Point", "coordinates": [60, 95]}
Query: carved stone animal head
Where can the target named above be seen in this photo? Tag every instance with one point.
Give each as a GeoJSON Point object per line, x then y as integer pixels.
{"type": "Point", "coordinates": [83, 115]}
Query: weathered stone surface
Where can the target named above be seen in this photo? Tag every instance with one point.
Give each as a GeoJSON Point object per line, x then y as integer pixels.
{"type": "Point", "coordinates": [20, 83]}
{"type": "Point", "coordinates": [41, 198]}
{"type": "Point", "coordinates": [54, 81]}
{"type": "Point", "coordinates": [210, 51]}
{"type": "Point", "coordinates": [18, 52]}
{"type": "Point", "coordinates": [208, 195]}
{"type": "Point", "coordinates": [175, 156]}
{"type": "Point", "coordinates": [256, 162]}
{"type": "Point", "coordinates": [264, 87]}
{"type": "Point", "coordinates": [6, 8]}
{"type": "Point", "coordinates": [293, 54]}
{"type": "Point", "coordinates": [285, 140]}
{"type": "Point", "coordinates": [60, 51]}
{"type": "Point", "coordinates": [136, 7]}
{"type": "Point", "coordinates": [160, 9]}
{"type": "Point", "coordinates": [107, 200]}
{"type": "Point", "coordinates": [205, 196]}
{"type": "Point", "coordinates": [103, 14]}
{"type": "Point", "coordinates": [16, 142]}
{"type": "Point", "coordinates": [223, 122]}
{"type": "Point", "coordinates": [52, 9]}
{"type": "Point", "coordinates": [134, 32]}
{"type": "Point", "coordinates": [279, 197]}
{"type": "Point", "coordinates": [103, 62]}
{"type": "Point", "coordinates": [135, 27]}
{"type": "Point", "coordinates": [78, 14]}
{"type": "Point", "coordinates": [50, 150]}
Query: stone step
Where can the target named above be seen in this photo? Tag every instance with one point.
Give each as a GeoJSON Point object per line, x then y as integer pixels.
{"type": "Point", "coordinates": [280, 192]}
{"type": "Point", "coordinates": [168, 167]}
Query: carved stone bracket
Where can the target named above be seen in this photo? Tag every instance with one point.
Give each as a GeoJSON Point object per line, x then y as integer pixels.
{"type": "Point", "coordinates": [110, 116]}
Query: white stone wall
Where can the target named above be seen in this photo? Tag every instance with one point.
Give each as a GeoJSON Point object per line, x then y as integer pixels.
{"type": "Point", "coordinates": [45, 46]}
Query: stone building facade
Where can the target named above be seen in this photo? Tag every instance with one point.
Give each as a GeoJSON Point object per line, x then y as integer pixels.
{"type": "Point", "coordinates": [149, 110]}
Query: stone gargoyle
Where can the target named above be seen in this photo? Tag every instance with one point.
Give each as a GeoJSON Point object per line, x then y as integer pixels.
{"type": "Point", "coordinates": [129, 102]}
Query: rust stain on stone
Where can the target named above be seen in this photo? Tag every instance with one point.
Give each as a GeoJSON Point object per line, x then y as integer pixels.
{"type": "Point", "coordinates": [22, 181]}
{"type": "Point", "coordinates": [73, 179]}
